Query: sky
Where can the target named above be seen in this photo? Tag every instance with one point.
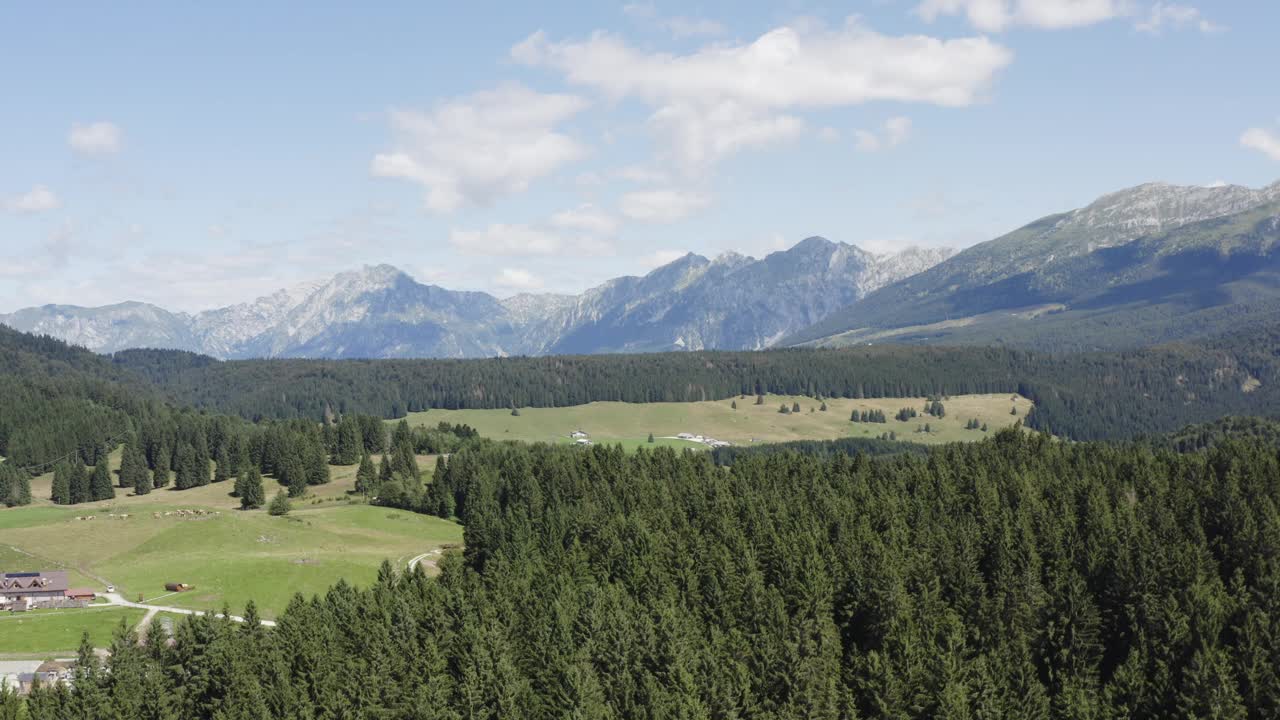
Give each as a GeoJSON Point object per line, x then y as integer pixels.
{"type": "Point", "coordinates": [198, 155]}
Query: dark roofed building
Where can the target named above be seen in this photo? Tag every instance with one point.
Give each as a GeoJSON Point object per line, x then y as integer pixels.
{"type": "Point", "coordinates": [28, 589]}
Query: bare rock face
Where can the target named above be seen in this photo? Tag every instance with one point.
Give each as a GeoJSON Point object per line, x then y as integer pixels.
{"type": "Point", "coordinates": [731, 302]}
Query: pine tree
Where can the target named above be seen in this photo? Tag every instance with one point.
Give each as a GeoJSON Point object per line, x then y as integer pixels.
{"type": "Point", "coordinates": [222, 469]}
{"type": "Point", "coordinates": [366, 477]}
{"type": "Point", "coordinates": [385, 473]}
{"type": "Point", "coordinates": [294, 475]}
{"type": "Point", "coordinates": [133, 464]}
{"type": "Point", "coordinates": [650, 437]}
{"type": "Point", "coordinates": [163, 464]}
{"type": "Point", "coordinates": [142, 486]}
{"type": "Point", "coordinates": [733, 405]}
{"type": "Point", "coordinates": [249, 488]}
{"type": "Point", "coordinates": [79, 482]}
{"type": "Point", "coordinates": [100, 487]}
{"type": "Point", "coordinates": [350, 443]}
{"type": "Point", "coordinates": [823, 407]}
{"type": "Point", "coordinates": [280, 504]}
{"type": "Point", "coordinates": [795, 407]}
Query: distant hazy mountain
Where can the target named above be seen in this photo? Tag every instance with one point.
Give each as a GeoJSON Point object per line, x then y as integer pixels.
{"type": "Point", "coordinates": [1152, 263]}
{"type": "Point", "coordinates": [732, 302]}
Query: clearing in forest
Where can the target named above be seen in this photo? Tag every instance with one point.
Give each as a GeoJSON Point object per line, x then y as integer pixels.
{"type": "Point", "coordinates": [631, 423]}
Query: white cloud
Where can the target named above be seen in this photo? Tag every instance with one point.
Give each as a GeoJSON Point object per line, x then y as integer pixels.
{"type": "Point", "coordinates": [723, 98]}
{"type": "Point", "coordinates": [896, 130]}
{"type": "Point", "coordinates": [662, 206]}
{"type": "Point", "coordinates": [503, 240]}
{"type": "Point", "coordinates": [1264, 141]}
{"type": "Point", "coordinates": [642, 175]}
{"type": "Point", "coordinates": [476, 148]}
{"type": "Point", "coordinates": [999, 15]}
{"type": "Point", "coordinates": [829, 134]}
{"type": "Point", "coordinates": [586, 218]}
{"type": "Point", "coordinates": [98, 138]}
{"type": "Point", "coordinates": [660, 258]}
{"type": "Point", "coordinates": [37, 199]}
{"type": "Point", "coordinates": [1177, 17]}
{"type": "Point", "coordinates": [679, 26]}
{"type": "Point", "coordinates": [517, 279]}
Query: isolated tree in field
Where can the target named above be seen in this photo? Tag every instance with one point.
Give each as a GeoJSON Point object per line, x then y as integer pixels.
{"type": "Point", "coordinates": [222, 471]}
{"type": "Point", "coordinates": [61, 492]}
{"type": "Point", "coordinates": [280, 504]}
{"type": "Point", "coordinates": [100, 487]}
{"type": "Point", "coordinates": [1013, 411]}
{"type": "Point", "coordinates": [984, 427]}
{"type": "Point", "coordinates": [650, 437]}
{"type": "Point", "coordinates": [854, 416]}
{"type": "Point", "coordinates": [760, 399]}
{"type": "Point", "coordinates": [515, 411]}
{"type": "Point", "coordinates": [249, 488]}
{"type": "Point", "coordinates": [366, 477]}
{"type": "Point", "coordinates": [133, 465]}
{"type": "Point", "coordinates": [823, 406]}
{"type": "Point", "coordinates": [783, 409]}
{"type": "Point", "coordinates": [733, 405]}
{"type": "Point", "coordinates": [79, 479]}
{"type": "Point", "coordinates": [795, 407]}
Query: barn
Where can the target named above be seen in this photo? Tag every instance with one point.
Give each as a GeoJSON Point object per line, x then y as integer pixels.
{"type": "Point", "coordinates": [22, 590]}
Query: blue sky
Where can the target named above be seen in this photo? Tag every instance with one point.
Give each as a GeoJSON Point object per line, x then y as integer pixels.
{"type": "Point", "coordinates": [196, 156]}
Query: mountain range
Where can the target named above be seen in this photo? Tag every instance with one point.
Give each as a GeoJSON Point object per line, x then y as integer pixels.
{"type": "Point", "coordinates": [730, 302]}
{"type": "Point", "coordinates": [1150, 264]}
{"type": "Point", "coordinates": [1146, 265]}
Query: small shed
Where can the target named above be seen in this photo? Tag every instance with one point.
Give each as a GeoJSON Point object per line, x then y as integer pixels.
{"type": "Point", "coordinates": [177, 587]}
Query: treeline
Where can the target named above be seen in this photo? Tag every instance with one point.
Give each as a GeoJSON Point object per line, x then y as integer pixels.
{"type": "Point", "coordinates": [1017, 577]}
{"type": "Point", "coordinates": [870, 447]}
{"type": "Point", "coordinates": [1080, 396]}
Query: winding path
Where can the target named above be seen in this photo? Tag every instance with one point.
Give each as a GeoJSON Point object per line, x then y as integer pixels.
{"type": "Point", "coordinates": [117, 599]}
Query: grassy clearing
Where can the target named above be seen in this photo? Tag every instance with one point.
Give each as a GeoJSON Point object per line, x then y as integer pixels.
{"type": "Point", "coordinates": [43, 633]}
{"type": "Point", "coordinates": [236, 556]}
{"type": "Point", "coordinates": [631, 423]}
{"type": "Point", "coordinates": [231, 556]}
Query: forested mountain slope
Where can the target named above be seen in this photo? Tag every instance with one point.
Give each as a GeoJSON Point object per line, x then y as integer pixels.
{"type": "Point", "coordinates": [1081, 396]}
{"type": "Point", "coordinates": [1144, 266]}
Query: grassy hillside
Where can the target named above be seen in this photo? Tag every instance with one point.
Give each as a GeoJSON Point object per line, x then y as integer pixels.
{"type": "Point", "coordinates": [631, 423]}
{"type": "Point", "coordinates": [230, 555]}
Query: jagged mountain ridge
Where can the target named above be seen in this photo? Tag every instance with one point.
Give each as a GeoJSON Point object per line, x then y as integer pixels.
{"type": "Point", "coordinates": [1152, 263]}
{"type": "Point", "coordinates": [731, 302]}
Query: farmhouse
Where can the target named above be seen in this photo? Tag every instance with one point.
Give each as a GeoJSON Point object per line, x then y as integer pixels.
{"type": "Point", "coordinates": [23, 590]}
{"type": "Point", "coordinates": [578, 434]}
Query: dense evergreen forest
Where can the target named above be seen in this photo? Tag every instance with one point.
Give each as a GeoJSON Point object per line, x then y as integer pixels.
{"type": "Point", "coordinates": [61, 401]}
{"type": "Point", "coordinates": [1017, 577]}
{"type": "Point", "coordinates": [1081, 396]}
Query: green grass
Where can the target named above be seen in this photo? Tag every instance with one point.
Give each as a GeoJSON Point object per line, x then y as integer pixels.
{"type": "Point", "coordinates": [236, 556]}
{"type": "Point", "coordinates": [42, 633]}
{"type": "Point", "coordinates": [630, 423]}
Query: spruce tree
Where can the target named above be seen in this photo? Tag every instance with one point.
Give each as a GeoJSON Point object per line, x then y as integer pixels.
{"type": "Point", "coordinates": [294, 475]}
{"type": "Point", "coordinates": [133, 465]}
{"type": "Point", "coordinates": [79, 481]}
{"type": "Point", "coordinates": [366, 477]}
{"type": "Point", "coordinates": [61, 491]}
{"type": "Point", "coordinates": [163, 465]}
{"type": "Point", "coordinates": [142, 486]}
{"type": "Point", "coordinates": [733, 405]}
{"type": "Point", "coordinates": [249, 485]}
{"type": "Point", "coordinates": [795, 407]}
{"type": "Point", "coordinates": [280, 504]}
{"type": "Point", "coordinates": [650, 437]}
{"type": "Point", "coordinates": [350, 443]}
{"type": "Point", "coordinates": [100, 487]}
{"type": "Point", "coordinates": [385, 474]}
{"type": "Point", "coordinates": [222, 469]}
